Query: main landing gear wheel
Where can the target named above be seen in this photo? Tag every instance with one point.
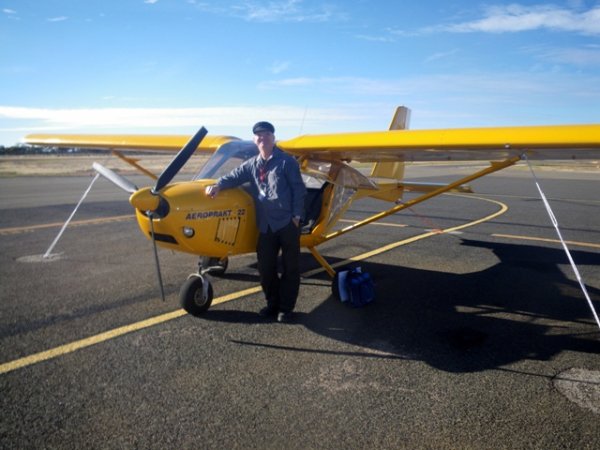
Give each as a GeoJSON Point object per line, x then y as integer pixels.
{"type": "Point", "coordinates": [196, 295]}
{"type": "Point", "coordinates": [216, 266]}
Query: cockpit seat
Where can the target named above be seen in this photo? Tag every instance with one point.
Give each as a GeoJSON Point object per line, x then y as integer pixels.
{"type": "Point", "coordinates": [313, 203]}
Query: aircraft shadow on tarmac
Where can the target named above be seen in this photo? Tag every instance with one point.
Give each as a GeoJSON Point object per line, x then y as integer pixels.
{"type": "Point", "coordinates": [460, 322]}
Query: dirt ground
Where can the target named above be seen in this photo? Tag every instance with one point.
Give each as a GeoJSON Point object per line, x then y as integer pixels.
{"type": "Point", "coordinates": [65, 165]}
{"type": "Point", "coordinates": [77, 165]}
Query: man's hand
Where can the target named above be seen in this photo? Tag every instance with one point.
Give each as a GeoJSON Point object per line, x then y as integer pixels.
{"type": "Point", "coordinates": [296, 221]}
{"type": "Point", "coordinates": [212, 190]}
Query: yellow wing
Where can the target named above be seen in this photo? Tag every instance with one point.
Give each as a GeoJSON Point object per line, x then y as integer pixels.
{"type": "Point", "coordinates": [537, 142]}
{"type": "Point", "coordinates": [459, 144]}
{"type": "Point", "coordinates": [146, 142]}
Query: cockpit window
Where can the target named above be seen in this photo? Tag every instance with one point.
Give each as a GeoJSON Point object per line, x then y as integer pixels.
{"type": "Point", "coordinates": [315, 172]}
{"type": "Point", "coordinates": [226, 158]}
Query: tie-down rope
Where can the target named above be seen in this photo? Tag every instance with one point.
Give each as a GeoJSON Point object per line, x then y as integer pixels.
{"type": "Point", "coordinates": [555, 223]}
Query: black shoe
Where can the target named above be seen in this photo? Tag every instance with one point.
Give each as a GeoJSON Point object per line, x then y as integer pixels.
{"type": "Point", "coordinates": [267, 311]}
{"type": "Point", "coordinates": [284, 317]}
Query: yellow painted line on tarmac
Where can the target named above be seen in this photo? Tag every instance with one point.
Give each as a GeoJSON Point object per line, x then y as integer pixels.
{"type": "Point", "coordinates": [87, 342]}
{"type": "Point", "coordinates": [120, 331]}
{"type": "Point", "coordinates": [111, 334]}
{"type": "Point", "coordinates": [379, 224]}
{"type": "Point", "coordinates": [386, 248]}
{"type": "Point", "coordinates": [554, 241]}
{"type": "Point", "coordinates": [14, 230]}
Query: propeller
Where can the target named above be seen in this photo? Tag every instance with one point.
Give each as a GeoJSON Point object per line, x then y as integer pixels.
{"type": "Point", "coordinates": [180, 159]}
{"type": "Point", "coordinates": [165, 177]}
{"type": "Point", "coordinates": [156, 261]}
{"type": "Point", "coordinates": [149, 200]}
{"type": "Point", "coordinates": [117, 179]}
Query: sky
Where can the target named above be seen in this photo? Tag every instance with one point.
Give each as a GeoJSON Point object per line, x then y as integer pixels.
{"type": "Point", "coordinates": [171, 66]}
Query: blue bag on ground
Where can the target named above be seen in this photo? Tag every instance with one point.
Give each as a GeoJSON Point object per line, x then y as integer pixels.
{"type": "Point", "coordinates": [356, 287]}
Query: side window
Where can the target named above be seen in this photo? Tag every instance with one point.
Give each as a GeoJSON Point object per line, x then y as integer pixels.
{"type": "Point", "coordinates": [312, 182]}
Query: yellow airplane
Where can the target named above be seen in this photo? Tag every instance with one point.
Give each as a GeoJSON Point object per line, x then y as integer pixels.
{"type": "Point", "coordinates": [179, 216]}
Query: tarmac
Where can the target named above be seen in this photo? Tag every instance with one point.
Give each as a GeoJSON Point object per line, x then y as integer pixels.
{"type": "Point", "coordinates": [479, 337]}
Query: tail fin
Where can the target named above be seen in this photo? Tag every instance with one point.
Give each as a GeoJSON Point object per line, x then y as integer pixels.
{"type": "Point", "coordinates": [393, 169]}
{"type": "Point", "coordinates": [401, 119]}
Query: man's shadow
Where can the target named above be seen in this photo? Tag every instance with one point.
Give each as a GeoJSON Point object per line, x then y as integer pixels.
{"type": "Point", "coordinates": [521, 308]}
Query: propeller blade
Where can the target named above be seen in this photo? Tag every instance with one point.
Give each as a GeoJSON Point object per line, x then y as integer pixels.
{"type": "Point", "coordinates": [117, 179]}
{"type": "Point", "coordinates": [180, 159]}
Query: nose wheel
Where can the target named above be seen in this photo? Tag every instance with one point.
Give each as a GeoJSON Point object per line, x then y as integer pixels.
{"type": "Point", "coordinates": [196, 294]}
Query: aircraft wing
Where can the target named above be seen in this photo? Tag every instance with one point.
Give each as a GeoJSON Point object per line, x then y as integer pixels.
{"type": "Point", "coordinates": [131, 142]}
{"type": "Point", "coordinates": [457, 144]}
{"type": "Point", "coordinates": [460, 144]}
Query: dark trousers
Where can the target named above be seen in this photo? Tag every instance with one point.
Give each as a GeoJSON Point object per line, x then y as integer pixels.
{"type": "Point", "coordinates": [281, 293]}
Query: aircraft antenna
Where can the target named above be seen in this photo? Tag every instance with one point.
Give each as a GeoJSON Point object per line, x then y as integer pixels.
{"type": "Point", "coordinates": [303, 120]}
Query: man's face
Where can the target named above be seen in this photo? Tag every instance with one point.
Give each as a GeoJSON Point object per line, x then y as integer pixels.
{"type": "Point", "coordinates": [265, 141]}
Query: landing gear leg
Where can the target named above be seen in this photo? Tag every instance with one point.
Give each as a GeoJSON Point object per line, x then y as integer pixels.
{"type": "Point", "coordinates": [196, 294]}
{"type": "Point", "coordinates": [214, 266]}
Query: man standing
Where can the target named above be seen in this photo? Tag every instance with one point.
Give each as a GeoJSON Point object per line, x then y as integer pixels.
{"type": "Point", "coordinates": [278, 192]}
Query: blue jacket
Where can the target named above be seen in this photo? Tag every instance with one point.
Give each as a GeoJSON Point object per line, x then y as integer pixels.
{"type": "Point", "coordinates": [275, 185]}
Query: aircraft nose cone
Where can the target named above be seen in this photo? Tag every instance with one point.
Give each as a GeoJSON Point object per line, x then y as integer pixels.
{"type": "Point", "coordinates": [144, 200]}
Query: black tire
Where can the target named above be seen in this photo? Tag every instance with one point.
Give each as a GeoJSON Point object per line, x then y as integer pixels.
{"type": "Point", "coordinates": [191, 296]}
{"type": "Point", "coordinates": [219, 265]}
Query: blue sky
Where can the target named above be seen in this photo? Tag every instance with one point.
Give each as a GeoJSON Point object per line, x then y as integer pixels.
{"type": "Point", "coordinates": [170, 66]}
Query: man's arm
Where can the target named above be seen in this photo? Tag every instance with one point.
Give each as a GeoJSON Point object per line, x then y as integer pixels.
{"type": "Point", "coordinates": [236, 177]}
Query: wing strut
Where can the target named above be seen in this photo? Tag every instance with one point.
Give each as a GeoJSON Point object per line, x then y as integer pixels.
{"type": "Point", "coordinates": [494, 167]}
{"type": "Point", "coordinates": [48, 253]}
{"type": "Point", "coordinates": [133, 162]}
{"type": "Point", "coordinates": [322, 261]}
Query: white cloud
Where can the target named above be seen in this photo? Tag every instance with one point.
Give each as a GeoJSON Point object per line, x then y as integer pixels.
{"type": "Point", "coordinates": [279, 66]}
{"type": "Point", "coordinates": [222, 119]}
{"type": "Point", "coordinates": [57, 19]}
{"type": "Point", "coordinates": [151, 2]}
{"type": "Point", "coordinates": [584, 57]}
{"type": "Point", "coordinates": [349, 85]}
{"type": "Point", "coordinates": [9, 11]}
{"type": "Point", "coordinates": [373, 38]}
{"type": "Point", "coordinates": [468, 99]}
{"type": "Point", "coordinates": [286, 11]}
{"type": "Point", "coordinates": [287, 82]}
{"type": "Point", "coordinates": [441, 55]}
{"type": "Point", "coordinates": [516, 18]}
{"type": "Point", "coordinates": [272, 11]}
{"type": "Point", "coordinates": [512, 18]}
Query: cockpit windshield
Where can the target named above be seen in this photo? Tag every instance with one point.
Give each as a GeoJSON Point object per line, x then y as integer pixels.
{"type": "Point", "coordinates": [226, 158]}
{"type": "Point", "coordinates": [315, 172]}
{"type": "Point", "coordinates": [232, 154]}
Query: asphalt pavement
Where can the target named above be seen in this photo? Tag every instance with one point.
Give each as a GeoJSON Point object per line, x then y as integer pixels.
{"type": "Point", "coordinates": [478, 338]}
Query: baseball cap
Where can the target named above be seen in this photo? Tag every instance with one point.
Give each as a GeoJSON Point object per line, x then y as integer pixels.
{"type": "Point", "coordinates": [263, 126]}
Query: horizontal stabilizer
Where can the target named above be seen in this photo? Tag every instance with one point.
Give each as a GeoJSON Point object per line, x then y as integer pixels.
{"type": "Point", "coordinates": [429, 187]}
{"type": "Point", "coordinates": [392, 170]}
